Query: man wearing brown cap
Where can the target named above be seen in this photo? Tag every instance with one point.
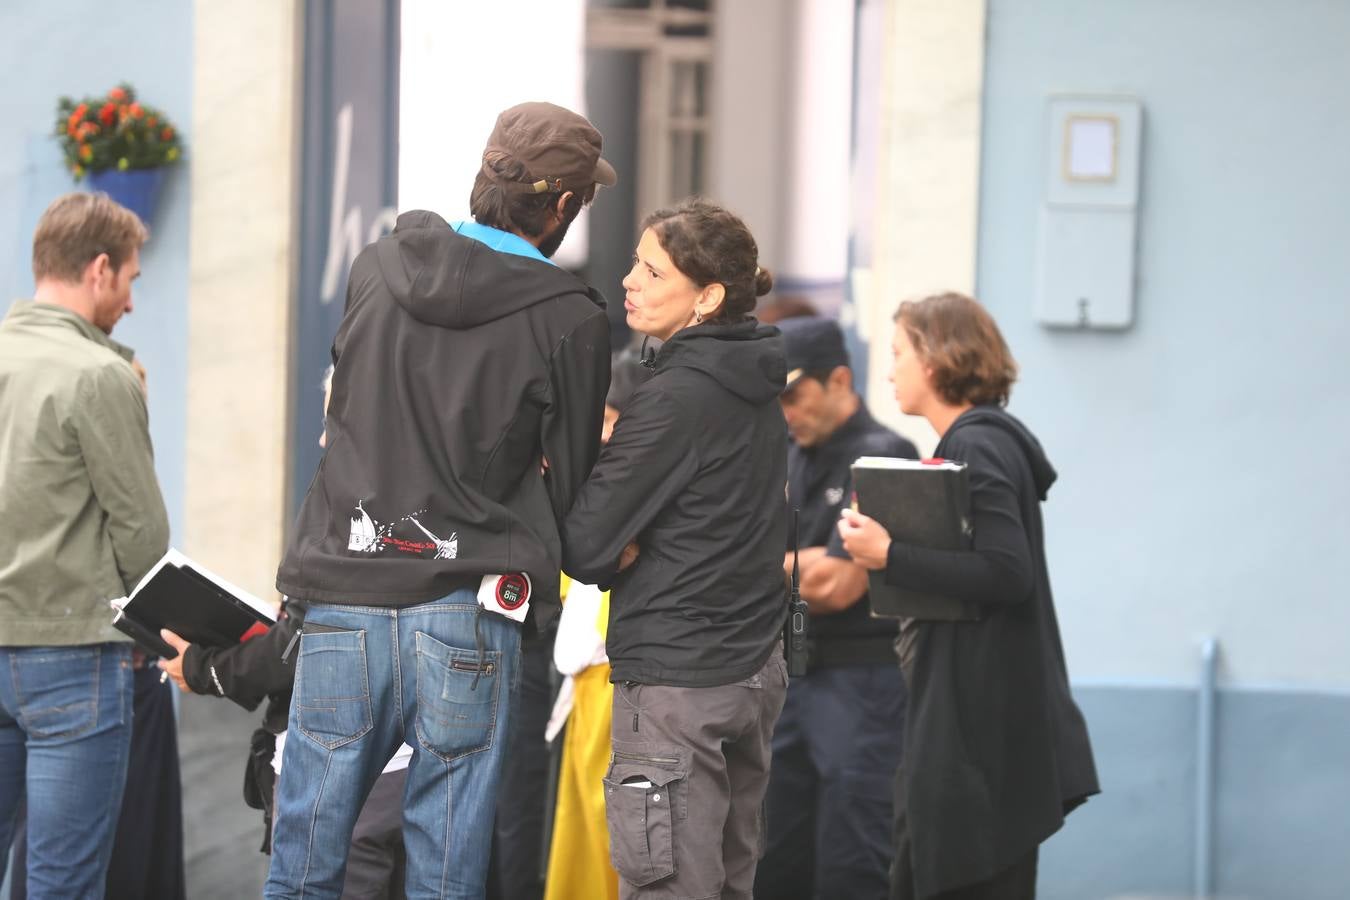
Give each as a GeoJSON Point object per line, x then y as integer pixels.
{"type": "Point", "coordinates": [468, 394]}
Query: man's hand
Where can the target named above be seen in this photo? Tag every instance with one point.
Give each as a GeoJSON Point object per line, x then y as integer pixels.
{"type": "Point", "coordinates": [174, 667]}
{"type": "Point", "coordinates": [629, 555]}
{"type": "Point", "coordinates": [832, 585]}
{"type": "Point", "coordinates": [140, 374]}
{"type": "Point", "coordinates": [864, 539]}
{"type": "Point", "coordinates": [806, 558]}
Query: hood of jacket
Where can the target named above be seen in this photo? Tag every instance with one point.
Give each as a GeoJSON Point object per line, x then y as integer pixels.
{"type": "Point", "coordinates": [443, 278]}
{"type": "Point", "coordinates": [746, 358]}
{"type": "Point", "coordinates": [1042, 472]}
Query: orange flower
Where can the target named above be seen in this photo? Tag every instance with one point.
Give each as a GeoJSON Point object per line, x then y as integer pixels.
{"type": "Point", "coordinates": [117, 94]}
{"type": "Point", "coordinates": [166, 134]}
{"type": "Point", "coordinates": [151, 122]}
{"type": "Point", "coordinates": [108, 113]}
{"type": "Point", "coordinates": [136, 110]}
{"type": "Point", "coordinates": [80, 111]}
{"type": "Point", "coordinates": [86, 152]}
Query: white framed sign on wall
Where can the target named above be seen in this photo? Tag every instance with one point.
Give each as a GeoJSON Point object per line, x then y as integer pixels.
{"type": "Point", "coordinates": [1086, 248]}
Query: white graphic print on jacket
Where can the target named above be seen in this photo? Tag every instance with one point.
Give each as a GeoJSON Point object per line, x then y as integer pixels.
{"type": "Point", "coordinates": [369, 536]}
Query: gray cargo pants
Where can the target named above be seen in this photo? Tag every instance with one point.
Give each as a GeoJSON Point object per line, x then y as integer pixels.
{"type": "Point", "coordinates": [685, 789]}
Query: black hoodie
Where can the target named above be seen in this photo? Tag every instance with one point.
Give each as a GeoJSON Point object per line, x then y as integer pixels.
{"type": "Point", "coordinates": [695, 472]}
{"type": "Point", "coordinates": [458, 368]}
{"type": "Point", "coordinates": [996, 752]}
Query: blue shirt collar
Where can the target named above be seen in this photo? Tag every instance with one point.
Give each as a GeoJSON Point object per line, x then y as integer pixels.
{"type": "Point", "coordinates": [501, 241]}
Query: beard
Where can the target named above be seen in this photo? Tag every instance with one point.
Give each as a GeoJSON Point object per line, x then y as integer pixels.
{"type": "Point", "coordinates": [553, 240]}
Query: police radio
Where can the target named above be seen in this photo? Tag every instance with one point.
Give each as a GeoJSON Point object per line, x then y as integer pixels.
{"type": "Point", "coordinates": [794, 638]}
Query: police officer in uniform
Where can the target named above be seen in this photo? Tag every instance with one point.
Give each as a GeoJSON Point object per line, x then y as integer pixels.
{"type": "Point", "coordinates": [837, 744]}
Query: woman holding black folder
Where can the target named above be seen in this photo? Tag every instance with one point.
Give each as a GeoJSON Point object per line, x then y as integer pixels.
{"type": "Point", "coordinates": [996, 752]}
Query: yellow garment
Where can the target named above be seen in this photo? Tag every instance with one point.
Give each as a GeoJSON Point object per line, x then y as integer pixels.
{"type": "Point", "coordinates": [578, 860]}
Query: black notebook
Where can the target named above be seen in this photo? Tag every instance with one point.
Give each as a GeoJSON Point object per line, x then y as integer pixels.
{"type": "Point", "coordinates": [192, 602]}
{"type": "Point", "coordinates": [924, 503]}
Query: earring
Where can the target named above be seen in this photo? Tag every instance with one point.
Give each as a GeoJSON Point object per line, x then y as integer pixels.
{"type": "Point", "coordinates": [698, 318]}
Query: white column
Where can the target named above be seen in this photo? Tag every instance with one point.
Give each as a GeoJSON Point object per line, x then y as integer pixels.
{"type": "Point", "coordinates": [928, 176]}
{"type": "Point", "coordinates": [240, 279]}
{"type": "Point", "coordinates": [815, 192]}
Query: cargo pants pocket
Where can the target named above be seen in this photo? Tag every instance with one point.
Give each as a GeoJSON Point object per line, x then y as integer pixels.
{"type": "Point", "coordinates": [644, 796]}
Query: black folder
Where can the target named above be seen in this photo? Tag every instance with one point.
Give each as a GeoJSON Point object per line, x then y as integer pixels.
{"type": "Point", "coordinates": [192, 602]}
{"type": "Point", "coordinates": [925, 503]}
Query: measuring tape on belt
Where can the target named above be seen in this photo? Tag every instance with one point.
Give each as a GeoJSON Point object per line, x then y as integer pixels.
{"type": "Point", "coordinates": [506, 595]}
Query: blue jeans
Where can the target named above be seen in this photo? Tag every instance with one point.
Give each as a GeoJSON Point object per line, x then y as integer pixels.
{"type": "Point", "coordinates": [65, 729]}
{"type": "Point", "coordinates": [439, 676]}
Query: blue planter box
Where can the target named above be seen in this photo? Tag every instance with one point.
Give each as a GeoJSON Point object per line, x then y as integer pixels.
{"type": "Point", "coordinates": [136, 189]}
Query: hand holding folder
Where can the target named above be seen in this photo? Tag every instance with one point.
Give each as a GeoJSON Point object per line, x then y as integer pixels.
{"type": "Point", "coordinates": [865, 539]}
{"type": "Point", "coordinates": [186, 598]}
{"type": "Point", "coordinates": [924, 503]}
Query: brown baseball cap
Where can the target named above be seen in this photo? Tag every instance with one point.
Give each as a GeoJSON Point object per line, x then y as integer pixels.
{"type": "Point", "coordinates": [559, 149]}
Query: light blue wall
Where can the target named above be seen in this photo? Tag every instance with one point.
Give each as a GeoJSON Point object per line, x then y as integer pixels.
{"type": "Point", "coordinates": [1281, 784]}
{"type": "Point", "coordinates": [1200, 451]}
{"type": "Point", "coordinates": [80, 47]}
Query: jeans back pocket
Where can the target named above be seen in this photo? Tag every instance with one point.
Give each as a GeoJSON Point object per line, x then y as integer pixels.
{"type": "Point", "coordinates": [643, 800]}
{"type": "Point", "coordinates": [332, 686]}
{"type": "Point", "coordinates": [57, 690]}
{"type": "Point", "coordinates": [457, 695]}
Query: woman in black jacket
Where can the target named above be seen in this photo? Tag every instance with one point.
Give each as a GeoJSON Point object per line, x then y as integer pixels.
{"type": "Point", "coordinates": [996, 752]}
{"type": "Point", "coordinates": [692, 482]}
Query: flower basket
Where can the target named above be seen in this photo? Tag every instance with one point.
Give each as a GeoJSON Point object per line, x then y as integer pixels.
{"type": "Point", "coordinates": [136, 189]}
{"type": "Point", "coordinates": [121, 145]}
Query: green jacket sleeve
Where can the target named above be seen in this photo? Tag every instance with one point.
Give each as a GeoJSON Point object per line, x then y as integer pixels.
{"type": "Point", "coordinates": [113, 429]}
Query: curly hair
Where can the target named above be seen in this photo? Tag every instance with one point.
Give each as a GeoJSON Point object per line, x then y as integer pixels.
{"type": "Point", "coordinates": [957, 338]}
{"type": "Point", "coordinates": [711, 245]}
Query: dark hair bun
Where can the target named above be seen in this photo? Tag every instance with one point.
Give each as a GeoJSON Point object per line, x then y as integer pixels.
{"type": "Point", "coordinates": [763, 281]}
{"type": "Point", "coordinates": [709, 244]}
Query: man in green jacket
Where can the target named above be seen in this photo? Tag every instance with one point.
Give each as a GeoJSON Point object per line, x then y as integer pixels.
{"type": "Point", "coordinates": [81, 521]}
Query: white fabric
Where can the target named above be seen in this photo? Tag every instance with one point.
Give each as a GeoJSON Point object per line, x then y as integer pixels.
{"type": "Point", "coordinates": [562, 708]}
{"type": "Point", "coordinates": [580, 644]}
{"type": "Point", "coordinates": [402, 756]}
